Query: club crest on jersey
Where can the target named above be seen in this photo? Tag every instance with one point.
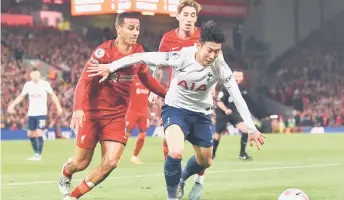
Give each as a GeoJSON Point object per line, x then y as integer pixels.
{"type": "Point", "coordinates": [210, 76]}
{"type": "Point", "coordinates": [175, 55]}
{"type": "Point", "coordinates": [99, 53]}
{"type": "Point", "coordinates": [193, 86]}
{"type": "Point", "coordinates": [228, 79]}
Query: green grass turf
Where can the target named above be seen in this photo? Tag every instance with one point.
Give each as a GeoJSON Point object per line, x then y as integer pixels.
{"type": "Point", "coordinates": [312, 163]}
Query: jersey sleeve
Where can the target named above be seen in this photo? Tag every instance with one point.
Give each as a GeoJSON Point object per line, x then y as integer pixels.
{"type": "Point", "coordinates": [48, 88]}
{"type": "Point", "coordinates": [25, 90]}
{"type": "Point", "coordinates": [231, 86]}
{"type": "Point", "coordinates": [98, 56]}
{"type": "Point", "coordinates": [174, 59]}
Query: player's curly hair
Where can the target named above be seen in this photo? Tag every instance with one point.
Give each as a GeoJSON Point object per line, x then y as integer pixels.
{"type": "Point", "coordinates": [190, 3]}
{"type": "Point", "coordinates": [212, 32]}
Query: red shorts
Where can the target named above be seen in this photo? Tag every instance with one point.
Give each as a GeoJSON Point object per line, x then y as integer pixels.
{"type": "Point", "coordinates": [140, 119]}
{"type": "Point", "coordinates": [94, 130]}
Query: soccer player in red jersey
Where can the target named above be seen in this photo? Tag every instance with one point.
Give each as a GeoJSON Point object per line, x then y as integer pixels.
{"type": "Point", "coordinates": [100, 108]}
{"type": "Point", "coordinates": [138, 115]}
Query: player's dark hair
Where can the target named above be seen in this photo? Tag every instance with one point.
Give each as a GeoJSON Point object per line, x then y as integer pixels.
{"type": "Point", "coordinates": [212, 32]}
{"type": "Point", "coordinates": [121, 16]}
{"type": "Point", "coordinates": [35, 69]}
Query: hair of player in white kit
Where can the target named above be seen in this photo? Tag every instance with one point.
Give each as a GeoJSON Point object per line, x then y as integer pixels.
{"type": "Point", "coordinates": [212, 32]}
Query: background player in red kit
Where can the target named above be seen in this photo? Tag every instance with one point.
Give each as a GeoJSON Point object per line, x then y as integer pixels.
{"type": "Point", "coordinates": [100, 108]}
{"type": "Point", "coordinates": [138, 115]}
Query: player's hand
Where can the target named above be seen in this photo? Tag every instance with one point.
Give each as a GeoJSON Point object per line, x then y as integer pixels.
{"type": "Point", "coordinates": [78, 119]}
{"type": "Point", "coordinates": [11, 110]}
{"type": "Point", "coordinates": [99, 70]}
{"type": "Point", "coordinates": [228, 112]}
{"type": "Point", "coordinates": [257, 138]}
{"type": "Point", "coordinates": [152, 97]}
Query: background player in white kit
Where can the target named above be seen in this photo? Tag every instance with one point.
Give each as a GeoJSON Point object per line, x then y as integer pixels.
{"type": "Point", "coordinates": [187, 109]}
{"type": "Point", "coordinates": [37, 90]}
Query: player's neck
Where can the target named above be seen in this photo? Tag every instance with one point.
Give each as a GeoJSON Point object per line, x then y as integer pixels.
{"type": "Point", "coordinates": [198, 59]}
{"type": "Point", "coordinates": [185, 34]}
{"type": "Point", "coordinates": [122, 46]}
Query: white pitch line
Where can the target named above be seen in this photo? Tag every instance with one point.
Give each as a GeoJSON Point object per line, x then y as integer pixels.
{"type": "Point", "coordinates": [208, 172]}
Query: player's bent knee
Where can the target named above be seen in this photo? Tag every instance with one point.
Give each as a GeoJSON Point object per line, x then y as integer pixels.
{"type": "Point", "coordinates": [82, 164]}
{"type": "Point", "coordinates": [109, 164]}
{"type": "Point", "coordinates": [176, 154]}
{"type": "Point", "coordinates": [142, 136]}
{"type": "Point", "coordinates": [207, 163]}
{"type": "Point", "coordinates": [39, 133]}
{"type": "Point", "coordinates": [31, 133]}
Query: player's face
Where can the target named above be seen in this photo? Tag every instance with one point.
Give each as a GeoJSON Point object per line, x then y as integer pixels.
{"type": "Point", "coordinates": [239, 76]}
{"type": "Point", "coordinates": [129, 31]}
{"type": "Point", "coordinates": [35, 76]}
{"type": "Point", "coordinates": [208, 52]}
{"type": "Point", "coordinates": [187, 18]}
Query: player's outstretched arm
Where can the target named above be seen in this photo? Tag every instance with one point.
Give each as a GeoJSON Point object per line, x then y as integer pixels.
{"type": "Point", "coordinates": [234, 91]}
{"type": "Point", "coordinates": [54, 98]}
{"type": "Point", "coordinates": [18, 99]}
{"type": "Point", "coordinates": [150, 58]}
{"type": "Point", "coordinates": [56, 102]}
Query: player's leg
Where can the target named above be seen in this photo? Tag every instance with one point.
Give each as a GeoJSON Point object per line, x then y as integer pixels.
{"type": "Point", "coordinates": [142, 124]}
{"type": "Point", "coordinates": [81, 160]}
{"type": "Point", "coordinates": [175, 123]}
{"type": "Point", "coordinates": [220, 127]}
{"type": "Point", "coordinates": [41, 124]}
{"type": "Point", "coordinates": [202, 141]}
{"type": "Point", "coordinates": [32, 135]}
{"type": "Point", "coordinates": [111, 153]}
{"type": "Point", "coordinates": [131, 121]}
{"type": "Point", "coordinates": [243, 141]}
{"type": "Point", "coordinates": [112, 140]}
{"type": "Point", "coordinates": [173, 168]}
{"type": "Point", "coordinates": [87, 139]}
{"type": "Point", "coordinates": [164, 147]}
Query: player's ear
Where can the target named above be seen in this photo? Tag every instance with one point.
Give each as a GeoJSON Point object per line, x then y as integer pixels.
{"type": "Point", "coordinates": [177, 17]}
{"type": "Point", "coordinates": [199, 45]}
{"type": "Point", "coordinates": [117, 27]}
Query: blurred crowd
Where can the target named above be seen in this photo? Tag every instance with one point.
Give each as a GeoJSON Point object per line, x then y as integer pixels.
{"type": "Point", "coordinates": [311, 76]}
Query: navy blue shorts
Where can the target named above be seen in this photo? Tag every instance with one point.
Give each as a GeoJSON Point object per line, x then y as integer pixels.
{"type": "Point", "coordinates": [37, 122]}
{"type": "Point", "coordinates": [195, 126]}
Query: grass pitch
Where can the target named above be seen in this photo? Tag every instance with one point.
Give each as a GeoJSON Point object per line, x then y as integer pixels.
{"type": "Point", "coordinates": [312, 163]}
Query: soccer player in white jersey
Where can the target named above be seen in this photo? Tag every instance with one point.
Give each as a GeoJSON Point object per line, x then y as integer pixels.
{"type": "Point", "coordinates": [37, 90]}
{"type": "Point", "coordinates": [187, 109]}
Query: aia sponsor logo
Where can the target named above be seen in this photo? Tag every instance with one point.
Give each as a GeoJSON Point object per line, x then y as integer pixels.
{"type": "Point", "coordinates": [193, 86]}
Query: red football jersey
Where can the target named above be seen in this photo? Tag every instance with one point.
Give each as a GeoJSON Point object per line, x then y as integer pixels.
{"type": "Point", "coordinates": [110, 99]}
{"type": "Point", "coordinates": [172, 42]}
{"type": "Point", "coordinates": [138, 98]}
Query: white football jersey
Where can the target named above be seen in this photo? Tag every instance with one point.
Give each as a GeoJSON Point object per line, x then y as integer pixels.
{"type": "Point", "coordinates": [38, 99]}
{"type": "Point", "coordinates": [192, 84]}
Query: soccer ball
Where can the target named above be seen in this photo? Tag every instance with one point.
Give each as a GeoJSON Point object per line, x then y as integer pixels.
{"type": "Point", "coordinates": [293, 194]}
